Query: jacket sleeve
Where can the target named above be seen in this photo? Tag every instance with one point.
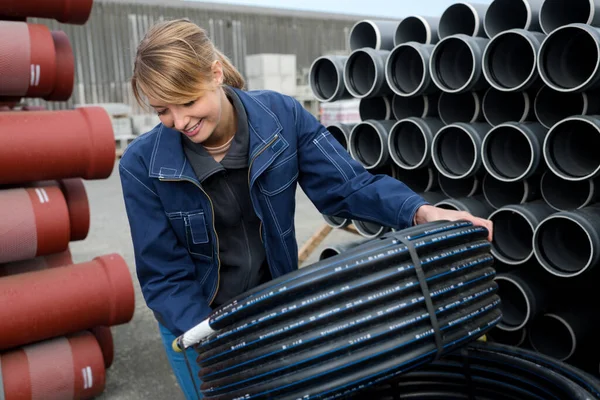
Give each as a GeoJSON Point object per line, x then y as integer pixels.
{"type": "Point", "coordinates": [340, 186]}
{"type": "Point", "coordinates": [165, 270]}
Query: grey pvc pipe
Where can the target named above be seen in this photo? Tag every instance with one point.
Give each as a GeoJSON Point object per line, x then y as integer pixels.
{"type": "Point", "coordinates": [504, 15]}
{"type": "Point", "coordinates": [463, 18]}
{"type": "Point", "coordinates": [510, 338]}
{"type": "Point", "coordinates": [378, 108]}
{"type": "Point", "coordinates": [554, 335]}
{"type": "Point", "coordinates": [369, 230]}
{"type": "Point", "coordinates": [457, 188]}
{"type": "Point", "coordinates": [456, 64]}
{"type": "Point", "coordinates": [418, 180]}
{"type": "Point", "coordinates": [499, 107]}
{"type": "Point", "coordinates": [417, 28]}
{"type": "Point", "coordinates": [341, 132]}
{"type": "Point", "coordinates": [374, 34]}
{"type": "Point", "coordinates": [368, 143]}
{"type": "Point", "coordinates": [551, 106]}
{"type": "Point", "coordinates": [523, 297]}
{"type": "Point", "coordinates": [433, 197]}
{"type": "Point", "coordinates": [364, 73]}
{"type": "Point", "coordinates": [326, 78]}
{"type": "Point", "coordinates": [336, 249]}
{"type": "Point", "coordinates": [460, 107]}
{"type": "Point", "coordinates": [476, 205]}
{"type": "Point", "coordinates": [514, 227]}
{"type": "Point", "coordinates": [456, 149]}
{"type": "Point", "coordinates": [409, 141]}
{"type": "Point", "coordinates": [418, 106]}
{"type": "Point", "coordinates": [571, 148]}
{"type": "Point", "coordinates": [568, 58]}
{"type": "Point", "coordinates": [512, 151]}
{"type": "Point", "coordinates": [564, 195]}
{"type": "Point", "coordinates": [336, 222]}
{"type": "Point", "coordinates": [407, 70]}
{"type": "Point", "coordinates": [510, 60]}
{"type": "Point", "coordinates": [500, 193]}
{"type": "Point", "coordinates": [557, 13]}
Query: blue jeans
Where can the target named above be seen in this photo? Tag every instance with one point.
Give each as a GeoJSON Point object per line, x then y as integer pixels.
{"type": "Point", "coordinates": [190, 384]}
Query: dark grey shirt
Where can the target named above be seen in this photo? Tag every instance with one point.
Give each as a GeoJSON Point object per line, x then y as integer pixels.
{"type": "Point", "coordinates": [242, 254]}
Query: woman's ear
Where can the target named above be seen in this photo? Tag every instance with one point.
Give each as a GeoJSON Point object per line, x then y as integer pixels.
{"type": "Point", "coordinates": [217, 70]}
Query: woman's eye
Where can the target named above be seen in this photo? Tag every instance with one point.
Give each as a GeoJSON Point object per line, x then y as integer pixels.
{"type": "Point", "coordinates": [161, 112]}
{"type": "Point", "coordinates": [190, 103]}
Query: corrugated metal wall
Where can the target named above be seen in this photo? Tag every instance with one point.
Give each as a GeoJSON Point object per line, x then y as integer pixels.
{"type": "Point", "coordinates": [105, 47]}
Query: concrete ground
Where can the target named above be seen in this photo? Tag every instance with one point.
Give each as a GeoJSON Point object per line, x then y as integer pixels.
{"type": "Point", "coordinates": [140, 369]}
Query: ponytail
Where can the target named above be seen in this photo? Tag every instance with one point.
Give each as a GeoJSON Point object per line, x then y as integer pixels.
{"type": "Point", "coordinates": [231, 75]}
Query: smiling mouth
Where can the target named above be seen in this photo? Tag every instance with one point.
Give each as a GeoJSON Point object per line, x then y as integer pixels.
{"type": "Point", "coordinates": [193, 128]}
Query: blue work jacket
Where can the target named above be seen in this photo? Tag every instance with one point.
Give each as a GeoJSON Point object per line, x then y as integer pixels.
{"type": "Point", "coordinates": [171, 217]}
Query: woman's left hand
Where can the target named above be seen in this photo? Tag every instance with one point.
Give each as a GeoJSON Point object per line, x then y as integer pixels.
{"type": "Point", "coordinates": [429, 213]}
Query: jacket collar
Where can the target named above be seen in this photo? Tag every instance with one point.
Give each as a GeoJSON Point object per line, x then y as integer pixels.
{"type": "Point", "coordinates": [168, 159]}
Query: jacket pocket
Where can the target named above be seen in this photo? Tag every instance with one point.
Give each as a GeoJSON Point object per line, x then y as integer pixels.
{"type": "Point", "coordinates": [192, 228]}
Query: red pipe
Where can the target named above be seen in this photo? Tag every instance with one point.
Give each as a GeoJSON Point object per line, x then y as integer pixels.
{"type": "Point", "coordinates": [33, 222]}
{"type": "Point", "coordinates": [105, 340]}
{"type": "Point", "coordinates": [44, 304]}
{"type": "Point", "coordinates": [70, 367]}
{"type": "Point", "coordinates": [43, 145]}
{"type": "Point", "coordinates": [37, 264]}
{"type": "Point", "coordinates": [76, 12]}
{"type": "Point", "coordinates": [35, 62]}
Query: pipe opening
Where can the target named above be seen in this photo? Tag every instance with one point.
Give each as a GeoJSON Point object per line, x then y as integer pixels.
{"type": "Point", "coordinates": [455, 151]}
{"type": "Point", "coordinates": [557, 13]}
{"type": "Point", "coordinates": [408, 144]}
{"type": "Point", "coordinates": [503, 15]}
{"type": "Point", "coordinates": [418, 180]}
{"type": "Point", "coordinates": [515, 304]}
{"type": "Point", "coordinates": [510, 61]}
{"type": "Point", "coordinates": [412, 29]}
{"type": "Point", "coordinates": [335, 222]}
{"type": "Point", "coordinates": [456, 188]}
{"type": "Point", "coordinates": [405, 107]}
{"type": "Point", "coordinates": [512, 236]}
{"type": "Point", "coordinates": [362, 73]}
{"type": "Point", "coordinates": [328, 253]}
{"type": "Point", "coordinates": [325, 79]}
{"type": "Point", "coordinates": [453, 63]}
{"type": "Point", "coordinates": [568, 58]}
{"type": "Point", "coordinates": [551, 335]}
{"type": "Point", "coordinates": [368, 229]}
{"type": "Point", "coordinates": [510, 338]}
{"type": "Point", "coordinates": [364, 34]}
{"type": "Point", "coordinates": [338, 134]}
{"type": "Point", "coordinates": [564, 195]}
{"type": "Point", "coordinates": [367, 145]}
{"type": "Point", "coordinates": [449, 205]}
{"type": "Point", "coordinates": [552, 106]}
{"type": "Point", "coordinates": [499, 193]}
{"type": "Point", "coordinates": [458, 18]}
{"type": "Point", "coordinates": [407, 69]}
{"type": "Point", "coordinates": [563, 245]}
{"type": "Point", "coordinates": [507, 153]}
{"type": "Point", "coordinates": [459, 107]}
{"type": "Point", "coordinates": [500, 107]}
{"type": "Point", "coordinates": [377, 108]}
{"type": "Point", "coordinates": [571, 149]}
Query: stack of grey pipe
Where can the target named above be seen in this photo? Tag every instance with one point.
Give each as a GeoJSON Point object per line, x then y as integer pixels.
{"type": "Point", "coordinates": [492, 109]}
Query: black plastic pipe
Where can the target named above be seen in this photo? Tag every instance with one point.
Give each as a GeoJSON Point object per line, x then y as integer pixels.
{"type": "Point", "coordinates": [510, 60]}
{"type": "Point", "coordinates": [460, 107]}
{"type": "Point", "coordinates": [417, 28]}
{"type": "Point", "coordinates": [407, 70]}
{"type": "Point", "coordinates": [419, 180]}
{"type": "Point", "coordinates": [568, 58]}
{"type": "Point", "coordinates": [364, 73]}
{"type": "Point", "coordinates": [378, 108]}
{"type": "Point", "coordinates": [476, 205]}
{"type": "Point", "coordinates": [564, 195]}
{"type": "Point", "coordinates": [571, 148]}
{"type": "Point", "coordinates": [501, 193]}
{"type": "Point", "coordinates": [409, 141]}
{"type": "Point", "coordinates": [456, 64]}
{"type": "Point", "coordinates": [418, 106]}
{"type": "Point", "coordinates": [552, 107]}
{"type": "Point", "coordinates": [499, 107]}
{"type": "Point", "coordinates": [463, 18]}
{"type": "Point", "coordinates": [557, 13]}
{"type": "Point", "coordinates": [368, 143]}
{"type": "Point", "coordinates": [566, 243]}
{"type": "Point", "coordinates": [374, 34]}
{"type": "Point", "coordinates": [326, 78]}
{"type": "Point", "coordinates": [504, 15]}
{"type": "Point", "coordinates": [456, 149]}
{"type": "Point", "coordinates": [552, 334]}
{"type": "Point", "coordinates": [514, 227]}
{"type": "Point", "coordinates": [523, 298]}
{"type": "Point", "coordinates": [341, 132]}
{"type": "Point", "coordinates": [512, 151]}
{"type": "Point", "coordinates": [457, 188]}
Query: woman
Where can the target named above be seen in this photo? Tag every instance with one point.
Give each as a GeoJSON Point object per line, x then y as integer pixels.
{"type": "Point", "coordinates": [210, 192]}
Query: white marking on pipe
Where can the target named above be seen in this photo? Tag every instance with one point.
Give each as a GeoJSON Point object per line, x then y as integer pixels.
{"type": "Point", "coordinates": [89, 374]}
{"type": "Point", "coordinates": [45, 194]}
{"type": "Point", "coordinates": [37, 74]}
{"type": "Point", "coordinates": [32, 78]}
{"type": "Point", "coordinates": [40, 196]}
{"type": "Point", "coordinates": [85, 378]}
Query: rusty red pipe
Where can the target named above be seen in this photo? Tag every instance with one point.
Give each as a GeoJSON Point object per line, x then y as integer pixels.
{"type": "Point", "coordinates": [44, 304]}
{"type": "Point", "coordinates": [44, 145]}
{"type": "Point", "coordinates": [35, 62]}
{"type": "Point", "coordinates": [76, 12]}
{"type": "Point", "coordinates": [105, 340]}
{"type": "Point", "coordinates": [68, 367]}
{"type": "Point", "coordinates": [37, 263]}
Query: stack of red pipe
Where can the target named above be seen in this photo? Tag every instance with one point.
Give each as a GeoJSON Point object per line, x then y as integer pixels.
{"type": "Point", "coordinates": [55, 314]}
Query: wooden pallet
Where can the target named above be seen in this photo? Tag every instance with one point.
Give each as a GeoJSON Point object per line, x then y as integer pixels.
{"type": "Point", "coordinates": [316, 239]}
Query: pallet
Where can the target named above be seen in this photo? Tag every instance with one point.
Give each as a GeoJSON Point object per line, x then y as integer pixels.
{"type": "Point", "coordinates": [316, 239]}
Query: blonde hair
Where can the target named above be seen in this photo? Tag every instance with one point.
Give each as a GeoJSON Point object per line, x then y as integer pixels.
{"type": "Point", "coordinates": [173, 63]}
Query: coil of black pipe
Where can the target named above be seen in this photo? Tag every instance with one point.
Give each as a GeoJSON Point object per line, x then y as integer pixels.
{"type": "Point", "coordinates": [333, 326]}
